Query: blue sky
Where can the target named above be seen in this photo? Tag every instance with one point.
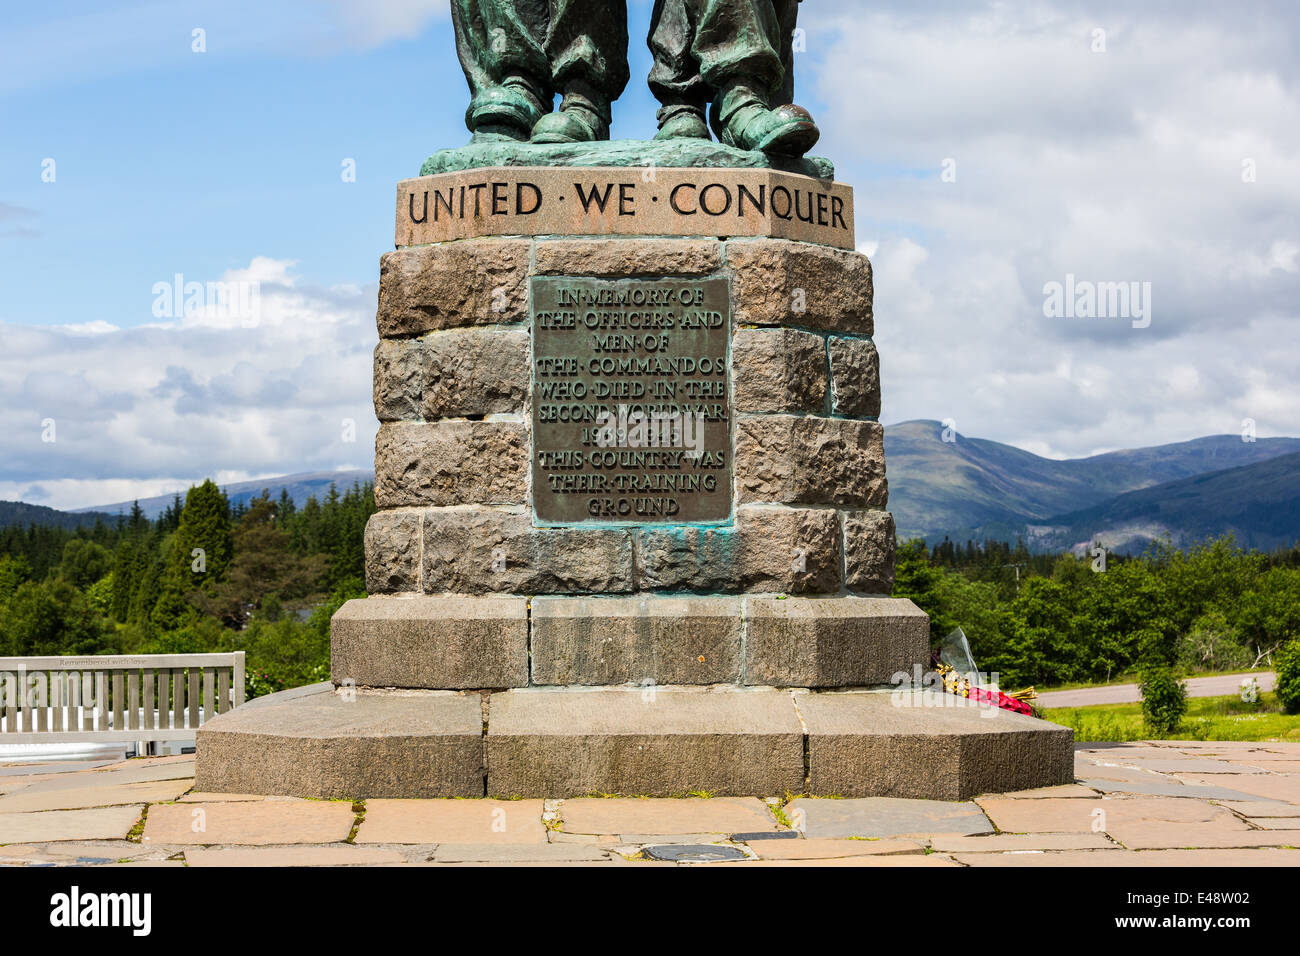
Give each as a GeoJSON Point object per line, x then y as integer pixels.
{"type": "Point", "coordinates": [1119, 164]}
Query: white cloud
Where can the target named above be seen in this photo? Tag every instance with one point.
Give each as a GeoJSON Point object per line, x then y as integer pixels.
{"type": "Point", "coordinates": [1118, 166]}
{"type": "Point", "coordinates": [139, 411]}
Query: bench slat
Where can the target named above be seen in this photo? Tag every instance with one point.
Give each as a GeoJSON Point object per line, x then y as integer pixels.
{"type": "Point", "coordinates": [133, 700]}
{"type": "Point", "coordinates": [209, 693]}
{"type": "Point", "coordinates": [149, 701]}
{"type": "Point", "coordinates": [119, 700]}
{"type": "Point", "coordinates": [58, 681]}
{"type": "Point", "coordinates": [178, 699]}
{"type": "Point", "coordinates": [223, 690]}
{"type": "Point", "coordinates": [194, 699]}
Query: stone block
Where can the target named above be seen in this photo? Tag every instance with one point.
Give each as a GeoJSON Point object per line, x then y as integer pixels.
{"type": "Point", "coordinates": [434, 643]}
{"type": "Point", "coordinates": [778, 370]}
{"type": "Point", "coordinates": [801, 285]}
{"type": "Point", "coordinates": [927, 745]}
{"type": "Point", "coordinates": [592, 199]}
{"type": "Point", "coordinates": [654, 742]}
{"type": "Point", "coordinates": [475, 372]}
{"type": "Point", "coordinates": [379, 744]}
{"type": "Point", "coordinates": [788, 550]}
{"type": "Point", "coordinates": [454, 284]}
{"type": "Point", "coordinates": [392, 543]}
{"type": "Point", "coordinates": [651, 640]}
{"type": "Point", "coordinates": [399, 379]}
{"type": "Point", "coordinates": [869, 552]}
{"type": "Point", "coordinates": [832, 641]}
{"type": "Point", "coordinates": [855, 377]}
{"type": "Point", "coordinates": [484, 550]}
{"type": "Point", "coordinates": [811, 460]}
{"type": "Point", "coordinates": [627, 258]}
{"type": "Point", "coordinates": [451, 463]}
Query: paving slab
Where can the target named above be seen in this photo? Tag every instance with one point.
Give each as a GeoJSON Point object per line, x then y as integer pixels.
{"type": "Point", "coordinates": [667, 816]}
{"type": "Point", "coordinates": [140, 773]}
{"type": "Point", "coordinates": [890, 861]}
{"type": "Point", "coordinates": [249, 824]}
{"type": "Point", "coordinates": [1063, 790]}
{"type": "Point", "coordinates": [332, 855]}
{"type": "Point", "coordinates": [110, 849]}
{"type": "Point", "coordinates": [453, 821]}
{"type": "Point", "coordinates": [330, 745]}
{"type": "Point", "coordinates": [886, 817]}
{"type": "Point", "coordinates": [1150, 835]}
{"type": "Point", "coordinates": [1020, 842]}
{"type": "Point", "coordinates": [202, 796]}
{"type": "Point", "coordinates": [76, 798]}
{"type": "Point", "coordinates": [643, 741]}
{"type": "Point", "coordinates": [102, 823]}
{"type": "Point", "coordinates": [1078, 816]}
{"type": "Point", "coordinates": [1283, 787]}
{"type": "Point", "coordinates": [1052, 858]}
{"type": "Point", "coordinates": [517, 853]}
{"type": "Point", "coordinates": [1187, 765]}
{"type": "Point", "coordinates": [58, 766]}
{"type": "Point", "coordinates": [1199, 836]}
{"type": "Point", "coordinates": [827, 849]}
{"type": "Point", "coordinates": [1261, 808]}
{"type": "Point", "coordinates": [1273, 766]}
{"type": "Point", "coordinates": [1168, 787]}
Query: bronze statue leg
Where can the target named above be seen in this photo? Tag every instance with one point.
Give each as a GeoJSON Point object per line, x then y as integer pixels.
{"type": "Point", "coordinates": [586, 46]}
{"type": "Point", "coordinates": [500, 47]}
{"type": "Point", "coordinates": [740, 51]}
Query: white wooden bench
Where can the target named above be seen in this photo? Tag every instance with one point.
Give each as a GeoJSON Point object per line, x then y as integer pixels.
{"type": "Point", "coordinates": [140, 697]}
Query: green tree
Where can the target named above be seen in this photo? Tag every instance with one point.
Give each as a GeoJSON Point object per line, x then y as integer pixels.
{"type": "Point", "coordinates": [1164, 698]}
{"type": "Point", "coordinates": [1287, 663]}
{"type": "Point", "coordinates": [84, 562]}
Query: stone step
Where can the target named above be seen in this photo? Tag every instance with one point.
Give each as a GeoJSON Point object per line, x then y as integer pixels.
{"type": "Point", "coordinates": [458, 642]}
{"type": "Point", "coordinates": [654, 741]}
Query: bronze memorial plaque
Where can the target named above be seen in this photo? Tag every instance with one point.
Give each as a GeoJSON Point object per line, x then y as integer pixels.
{"type": "Point", "coordinates": [631, 411]}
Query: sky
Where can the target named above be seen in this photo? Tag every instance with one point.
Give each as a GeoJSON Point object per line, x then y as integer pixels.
{"type": "Point", "coordinates": [995, 149]}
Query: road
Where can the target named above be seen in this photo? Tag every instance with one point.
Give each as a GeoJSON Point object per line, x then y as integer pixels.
{"type": "Point", "coordinates": [1220, 686]}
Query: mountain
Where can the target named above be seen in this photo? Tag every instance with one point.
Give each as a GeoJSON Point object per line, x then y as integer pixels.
{"type": "Point", "coordinates": [974, 488]}
{"type": "Point", "coordinates": [1259, 504]}
{"type": "Point", "coordinates": [23, 514]}
{"type": "Point", "coordinates": [300, 487]}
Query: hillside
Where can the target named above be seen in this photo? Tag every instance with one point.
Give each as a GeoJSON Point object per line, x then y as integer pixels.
{"type": "Point", "coordinates": [300, 486]}
{"type": "Point", "coordinates": [1258, 503]}
{"type": "Point", "coordinates": [22, 514]}
{"type": "Point", "coordinates": [978, 488]}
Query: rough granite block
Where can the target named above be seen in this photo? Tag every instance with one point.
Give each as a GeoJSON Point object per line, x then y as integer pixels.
{"type": "Point", "coordinates": [414, 744]}
{"type": "Point", "coordinates": [832, 641]}
{"type": "Point", "coordinates": [928, 745]}
{"type": "Point", "coordinates": [652, 741]}
{"type": "Point", "coordinates": [450, 463]}
{"type": "Point", "coordinates": [433, 643]}
{"type": "Point", "coordinates": [640, 640]}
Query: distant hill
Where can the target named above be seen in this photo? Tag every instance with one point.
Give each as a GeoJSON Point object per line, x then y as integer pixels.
{"type": "Point", "coordinates": [22, 514]}
{"type": "Point", "coordinates": [1259, 504]}
{"type": "Point", "coordinates": [300, 486]}
{"type": "Point", "coordinates": [974, 488]}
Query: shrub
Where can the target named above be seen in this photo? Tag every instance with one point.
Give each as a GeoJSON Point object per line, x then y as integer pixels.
{"type": "Point", "coordinates": [1287, 664]}
{"type": "Point", "coordinates": [1164, 699]}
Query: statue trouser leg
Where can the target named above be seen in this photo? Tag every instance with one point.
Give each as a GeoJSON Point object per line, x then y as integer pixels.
{"type": "Point", "coordinates": [743, 54]}
{"type": "Point", "coordinates": [675, 77]}
{"type": "Point", "coordinates": [500, 44]}
{"type": "Point", "coordinates": [586, 46]}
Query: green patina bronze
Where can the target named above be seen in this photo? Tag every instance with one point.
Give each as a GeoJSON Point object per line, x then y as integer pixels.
{"type": "Point", "coordinates": [665, 154]}
{"type": "Point", "coordinates": [720, 65]}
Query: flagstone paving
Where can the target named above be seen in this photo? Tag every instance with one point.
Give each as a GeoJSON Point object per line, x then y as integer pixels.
{"type": "Point", "coordinates": [1157, 803]}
